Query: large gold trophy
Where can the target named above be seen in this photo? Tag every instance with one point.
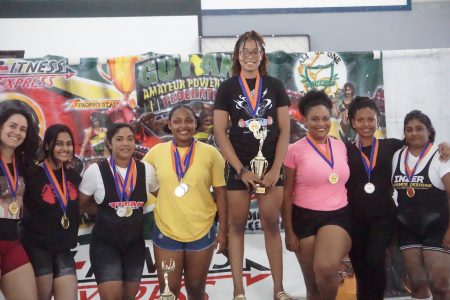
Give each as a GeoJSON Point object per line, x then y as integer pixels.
{"type": "Point", "coordinates": [167, 267]}
{"type": "Point", "coordinates": [259, 163]}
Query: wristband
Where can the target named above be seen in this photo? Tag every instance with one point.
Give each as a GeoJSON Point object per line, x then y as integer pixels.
{"type": "Point", "coordinates": [241, 172]}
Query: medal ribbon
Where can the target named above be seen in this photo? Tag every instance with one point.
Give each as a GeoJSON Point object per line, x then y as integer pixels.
{"type": "Point", "coordinates": [369, 164]}
{"type": "Point", "coordinates": [181, 164]}
{"type": "Point", "coordinates": [326, 155]}
{"type": "Point", "coordinates": [252, 100]}
{"type": "Point", "coordinates": [13, 181]}
{"type": "Point", "coordinates": [61, 195]}
{"type": "Point", "coordinates": [409, 172]}
{"type": "Point", "coordinates": [124, 187]}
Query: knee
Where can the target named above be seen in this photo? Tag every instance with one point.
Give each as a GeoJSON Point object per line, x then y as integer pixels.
{"type": "Point", "coordinates": [237, 227]}
{"type": "Point", "coordinates": [271, 225]}
{"type": "Point", "coordinates": [326, 271]}
{"type": "Point", "coordinates": [418, 282]}
{"type": "Point", "coordinates": [195, 289]}
{"type": "Point", "coordinates": [440, 286]}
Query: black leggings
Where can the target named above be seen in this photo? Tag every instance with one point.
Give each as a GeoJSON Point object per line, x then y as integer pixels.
{"type": "Point", "coordinates": [371, 239]}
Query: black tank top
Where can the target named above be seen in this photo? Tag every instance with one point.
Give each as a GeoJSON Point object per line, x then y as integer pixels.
{"type": "Point", "coordinates": [111, 228]}
{"type": "Point", "coordinates": [429, 202]}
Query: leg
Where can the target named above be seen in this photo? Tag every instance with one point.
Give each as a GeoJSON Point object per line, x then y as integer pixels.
{"type": "Point", "coordinates": [65, 287]}
{"type": "Point", "coordinates": [44, 286]}
{"type": "Point", "coordinates": [415, 268]}
{"type": "Point", "coordinates": [163, 255]}
{"type": "Point", "coordinates": [305, 257]}
{"type": "Point", "coordinates": [196, 267]}
{"type": "Point", "coordinates": [437, 265]}
{"type": "Point", "coordinates": [269, 209]}
{"type": "Point", "coordinates": [133, 259]}
{"type": "Point", "coordinates": [358, 256]}
{"type": "Point", "coordinates": [332, 245]}
{"type": "Point", "coordinates": [110, 290]}
{"type": "Point", "coordinates": [19, 284]}
{"type": "Point", "coordinates": [380, 238]}
{"type": "Point", "coordinates": [238, 206]}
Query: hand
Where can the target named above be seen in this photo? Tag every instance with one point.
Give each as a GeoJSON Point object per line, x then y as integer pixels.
{"type": "Point", "coordinates": [270, 178]}
{"type": "Point", "coordinates": [446, 241]}
{"type": "Point", "coordinates": [291, 241]}
{"type": "Point", "coordinates": [221, 242]}
{"type": "Point", "coordinates": [444, 152]}
{"type": "Point", "coordinates": [250, 179]}
{"type": "Point", "coordinates": [346, 269]}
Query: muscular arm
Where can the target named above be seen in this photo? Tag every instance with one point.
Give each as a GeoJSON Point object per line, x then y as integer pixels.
{"type": "Point", "coordinates": [222, 236]}
{"type": "Point", "coordinates": [271, 177]}
{"type": "Point", "coordinates": [286, 209]}
{"type": "Point", "coordinates": [87, 204]}
{"type": "Point", "coordinates": [220, 132]}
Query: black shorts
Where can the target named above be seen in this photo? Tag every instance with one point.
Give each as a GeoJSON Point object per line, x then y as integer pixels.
{"type": "Point", "coordinates": [112, 263]}
{"type": "Point", "coordinates": [45, 261]}
{"type": "Point", "coordinates": [307, 222]}
{"type": "Point", "coordinates": [422, 230]}
{"type": "Point", "coordinates": [235, 184]}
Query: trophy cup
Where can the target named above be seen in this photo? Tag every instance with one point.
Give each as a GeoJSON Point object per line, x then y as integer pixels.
{"type": "Point", "coordinates": [259, 164]}
{"type": "Point", "coordinates": [167, 267]}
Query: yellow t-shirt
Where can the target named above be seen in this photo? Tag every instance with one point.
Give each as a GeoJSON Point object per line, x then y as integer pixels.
{"type": "Point", "coordinates": [190, 217]}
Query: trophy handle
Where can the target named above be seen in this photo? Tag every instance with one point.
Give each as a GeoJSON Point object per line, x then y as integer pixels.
{"type": "Point", "coordinates": [102, 73]}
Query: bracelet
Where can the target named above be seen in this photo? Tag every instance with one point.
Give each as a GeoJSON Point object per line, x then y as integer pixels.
{"type": "Point", "coordinates": [241, 172]}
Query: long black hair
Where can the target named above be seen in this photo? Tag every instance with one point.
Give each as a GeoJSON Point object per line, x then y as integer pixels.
{"type": "Point", "coordinates": [50, 137]}
{"type": "Point", "coordinates": [26, 152]}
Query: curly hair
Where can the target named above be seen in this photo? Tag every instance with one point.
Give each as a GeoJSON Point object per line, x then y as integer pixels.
{"type": "Point", "coordinates": [26, 152]}
{"type": "Point", "coordinates": [249, 35]}
{"type": "Point", "coordinates": [314, 98]}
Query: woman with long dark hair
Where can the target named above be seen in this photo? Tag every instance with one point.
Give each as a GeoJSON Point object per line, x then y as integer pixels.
{"type": "Point", "coordinates": [18, 144]}
{"type": "Point", "coordinates": [257, 105]}
{"type": "Point", "coordinates": [49, 226]}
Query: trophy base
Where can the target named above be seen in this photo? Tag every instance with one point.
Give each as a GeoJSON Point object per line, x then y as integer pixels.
{"type": "Point", "coordinates": [167, 297]}
{"type": "Point", "coordinates": [259, 189]}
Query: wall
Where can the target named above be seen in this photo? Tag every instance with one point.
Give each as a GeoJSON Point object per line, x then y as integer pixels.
{"type": "Point", "coordinates": [425, 26]}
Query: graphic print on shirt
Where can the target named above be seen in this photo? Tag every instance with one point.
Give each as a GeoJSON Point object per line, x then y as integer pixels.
{"type": "Point", "coordinates": [264, 105]}
{"type": "Point", "coordinates": [49, 196]}
{"type": "Point", "coordinates": [6, 198]}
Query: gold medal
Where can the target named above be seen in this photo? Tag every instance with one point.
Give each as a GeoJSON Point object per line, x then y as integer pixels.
{"type": "Point", "coordinates": [410, 191]}
{"type": "Point", "coordinates": [13, 208]}
{"type": "Point", "coordinates": [65, 222]}
{"type": "Point", "coordinates": [128, 211]}
{"type": "Point", "coordinates": [254, 126]}
{"type": "Point", "coordinates": [333, 178]}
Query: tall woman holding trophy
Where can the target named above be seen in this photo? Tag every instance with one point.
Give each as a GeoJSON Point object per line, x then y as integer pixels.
{"type": "Point", "coordinates": [257, 106]}
{"type": "Point", "coordinates": [115, 190]}
{"type": "Point", "coordinates": [185, 233]}
{"type": "Point", "coordinates": [315, 211]}
{"type": "Point", "coordinates": [18, 144]}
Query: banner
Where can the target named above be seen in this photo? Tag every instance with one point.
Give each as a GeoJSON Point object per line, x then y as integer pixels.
{"type": "Point", "coordinates": [141, 90]}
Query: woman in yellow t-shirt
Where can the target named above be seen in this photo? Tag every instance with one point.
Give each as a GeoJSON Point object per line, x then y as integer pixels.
{"type": "Point", "coordinates": [185, 210]}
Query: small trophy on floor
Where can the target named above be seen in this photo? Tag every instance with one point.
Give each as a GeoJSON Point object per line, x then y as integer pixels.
{"type": "Point", "coordinates": [167, 267]}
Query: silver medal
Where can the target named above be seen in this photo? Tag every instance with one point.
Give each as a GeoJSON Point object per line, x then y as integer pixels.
{"type": "Point", "coordinates": [180, 191]}
{"type": "Point", "coordinates": [121, 211]}
{"type": "Point", "coordinates": [184, 186]}
{"type": "Point", "coordinates": [369, 188]}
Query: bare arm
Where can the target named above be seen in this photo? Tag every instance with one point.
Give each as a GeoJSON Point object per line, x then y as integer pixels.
{"type": "Point", "coordinates": [226, 148]}
{"type": "Point", "coordinates": [87, 204]}
{"type": "Point", "coordinates": [446, 241]}
{"type": "Point", "coordinates": [444, 152]}
{"type": "Point", "coordinates": [271, 177]}
{"type": "Point", "coordinates": [87, 133]}
{"type": "Point", "coordinates": [286, 209]}
{"type": "Point", "coordinates": [222, 236]}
